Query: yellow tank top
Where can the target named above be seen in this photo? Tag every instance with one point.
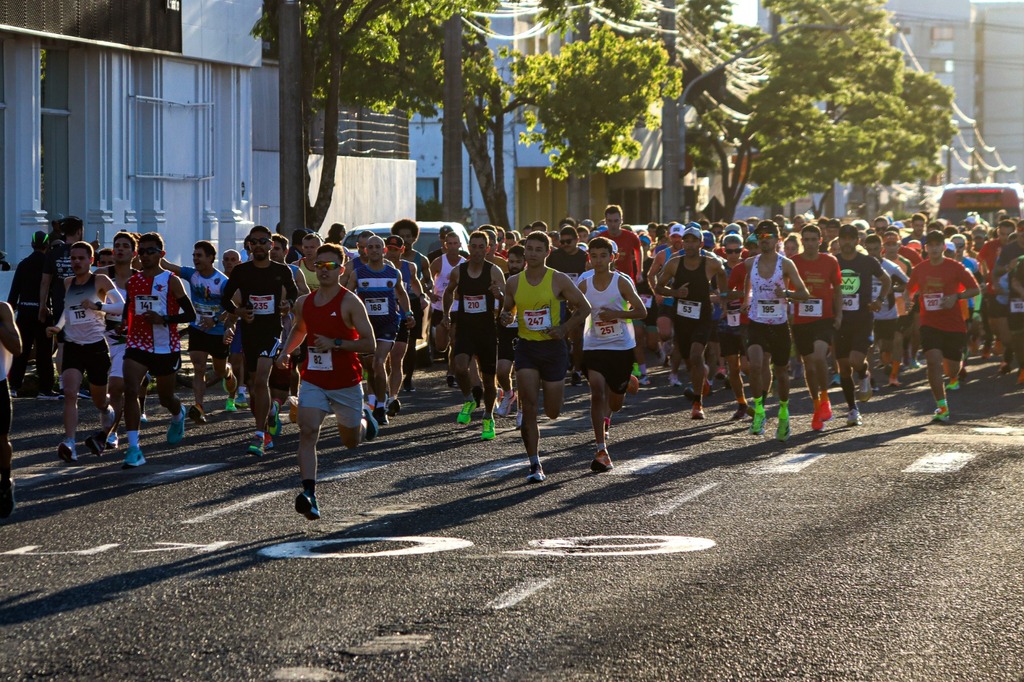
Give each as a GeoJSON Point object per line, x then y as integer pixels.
{"type": "Point", "coordinates": [537, 307]}
{"type": "Point", "coordinates": [310, 275]}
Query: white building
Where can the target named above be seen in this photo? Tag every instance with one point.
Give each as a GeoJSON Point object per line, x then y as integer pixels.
{"type": "Point", "coordinates": [999, 27]}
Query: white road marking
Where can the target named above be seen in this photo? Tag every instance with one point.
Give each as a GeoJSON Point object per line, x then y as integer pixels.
{"type": "Point", "coordinates": [519, 593]}
{"type": "Point", "coordinates": [648, 464]}
{"type": "Point", "coordinates": [787, 464]}
{"type": "Point", "coordinates": [241, 504]}
{"type": "Point", "coordinates": [999, 430]}
{"type": "Point", "coordinates": [349, 471]}
{"type": "Point", "coordinates": [421, 545]}
{"type": "Point", "coordinates": [179, 473]}
{"type": "Point", "coordinates": [175, 546]}
{"type": "Point", "coordinates": [677, 502]}
{"type": "Point", "coordinates": [604, 545]}
{"type": "Point", "coordinates": [390, 644]}
{"type": "Point", "coordinates": [499, 469]}
{"type": "Point", "coordinates": [940, 463]}
{"type": "Point", "coordinates": [31, 549]}
{"type": "Point", "coordinates": [31, 477]}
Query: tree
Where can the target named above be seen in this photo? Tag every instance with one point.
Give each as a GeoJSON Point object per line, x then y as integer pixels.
{"type": "Point", "coordinates": [842, 106]}
{"type": "Point", "coordinates": [587, 100]}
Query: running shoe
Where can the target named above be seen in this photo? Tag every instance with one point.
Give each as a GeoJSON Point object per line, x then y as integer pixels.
{"type": "Point", "coordinates": [380, 413]}
{"type": "Point", "coordinates": [707, 388]}
{"type": "Point", "coordinates": [864, 391]}
{"type": "Point", "coordinates": [697, 412]}
{"type": "Point", "coordinates": [306, 505]}
{"type": "Point", "coordinates": [953, 385]}
{"type": "Point", "coordinates": [576, 379]}
{"type": "Point", "coordinates": [914, 363]}
{"type": "Point", "coordinates": [196, 414]}
{"type": "Point", "coordinates": [268, 442]}
{"type": "Point", "coordinates": [49, 395]}
{"type": "Point", "coordinates": [607, 424]}
{"type": "Point", "coordinates": [817, 423]}
{"type": "Point", "coordinates": [536, 474]}
{"type": "Point", "coordinates": [256, 446]}
{"type": "Point", "coordinates": [133, 458]}
{"type": "Point", "coordinates": [66, 451]}
{"type": "Point", "coordinates": [1005, 368]}
{"type": "Point", "coordinates": [720, 374]}
{"type": "Point", "coordinates": [176, 429]}
{"type": "Point", "coordinates": [274, 420]}
{"type": "Point", "coordinates": [108, 418]}
{"type": "Point", "coordinates": [673, 379]}
{"type": "Point", "coordinates": [229, 405]}
{"type": "Point", "coordinates": [602, 462]}
{"type": "Point", "coordinates": [407, 385]}
{"type": "Point", "coordinates": [941, 414]}
{"type": "Point", "coordinates": [633, 386]}
{"type": "Point", "coordinates": [242, 400]}
{"type": "Point", "coordinates": [689, 392]}
{"type": "Point", "coordinates": [835, 380]}
{"type": "Point", "coordinates": [488, 432]}
{"type": "Point", "coordinates": [84, 393]}
{"type": "Point", "coordinates": [466, 413]}
{"type": "Point", "coordinates": [451, 380]}
{"type": "Point", "coordinates": [372, 428]}
{"type": "Point", "coordinates": [757, 426]}
{"type": "Point", "coordinates": [740, 413]}
{"type": "Point", "coordinates": [143, 419]}
{"type": "Point", "coordinates": [644, 380]}
{"type": "Point", "coordinates": [112, 441]}
{"type": "Point", "coordinates": [826, 411]}
{"type": "Point", "coordinates": [782, 431]}
{"type": "Point", "coordinates": [504, 407]}
{"type": "Point", "coordinates": [6, 500]}
{"type": "Point", "coordinates": [894, 383]}
{"type": "Point", "coordinates": [229, 383]}
{"type": "Point", "coordinates": [750, 410]}
{"type": "Point", "coordinates": [96, 443]}
{"type": "Point", "coordinates": [853, 418]}
{"type": "Point", "coordinates": [636, 369]}
{"type": "Point", "coordinates": [394, 407]}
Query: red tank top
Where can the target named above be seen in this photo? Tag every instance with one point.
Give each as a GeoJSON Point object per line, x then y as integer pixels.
{"type": "Point", "coordinates": [154, 294]}
{"type": "Point", "coordinates": [337, 368]}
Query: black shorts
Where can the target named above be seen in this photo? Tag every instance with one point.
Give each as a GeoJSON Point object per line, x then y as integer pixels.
{"type": "Point", "coordinates": [652, 315]}
{"type": "Point", "coordinates": [158, 364]}
{"type": "Point", "coordinates": [905, 324]}
{"type": "Point", "coordinates": [385, 328]}
{"type": "Point", "coordinates": [689, 332]}
{"type": "Point", "coordinates": [211, 344]}
{"type": "Point", "coordinates": [952, 344]}
{"type": "Point", "coordinates": [886, 330]}
{"type": "Point", "coordinates": [480, 342]}
{"type": "Point", "coordinates": [435, 317]}
{"type": "Point", "coordinates": [507, 338]}
{"type": "Point", "coordinates": [256, 345]}
{"type": "Point", "coordinates": [614, 365]}
{"type": "Point", "coordinates": [993, 308]}
{"type": "Point", "coordinates": [549, 357]}
{"type": "Point", "coordinates": [6, 414]}
{"type": "Point", "coordinates": [91, 359]}
{"type": "Point", "coordinates": [733, 342]}
{"type": "Point", "coordinates": [402, 335]}
{"type": "Point", "coordinates": [853, 336]}
{"type": "Point", "coordinates": [773, 339]}
{"type": "Point", "coordinates": [416, 332]}
{"type": "Point", "coordinates": [665, 310]}
{"type": "Point", "coordinates": [806, 334]}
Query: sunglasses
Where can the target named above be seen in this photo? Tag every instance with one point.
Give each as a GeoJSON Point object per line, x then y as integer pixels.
{"type": "Point", "coordinates": [149, 251]}
{"type": "Point", "coordinates": [734, 250]}
{"type": "Point", "coordinates": [262, 241]}
{"type": "Point", "coordinates": [326, 265]}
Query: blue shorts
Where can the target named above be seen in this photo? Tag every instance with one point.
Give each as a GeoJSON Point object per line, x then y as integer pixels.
{"type": "Point", "coordinates": [384, 328]}
{"type": "Point", "coordinates": [236, 340]}
{"type": "Point", "coordinates": [549, 357]}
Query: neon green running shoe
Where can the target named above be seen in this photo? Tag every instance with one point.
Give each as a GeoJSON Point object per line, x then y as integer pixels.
{"type": "Point", "coordinates": [466, 414]}
{"type": "Point", "coordinates": [488, 433]}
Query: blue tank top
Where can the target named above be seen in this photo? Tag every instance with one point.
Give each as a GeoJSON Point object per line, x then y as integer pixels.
{"type": "Point", "coordinates": [377, 290]}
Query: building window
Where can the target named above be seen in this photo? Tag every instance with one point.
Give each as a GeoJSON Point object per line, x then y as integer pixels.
{"type": "Point", "coordinates": [427, 189]}
{"type": "Point", "coordinates": [941, 33]}
{"type": "Point", "coordinates": [53, 150]}
{"type": "Point", "coordinates": [942, 66]}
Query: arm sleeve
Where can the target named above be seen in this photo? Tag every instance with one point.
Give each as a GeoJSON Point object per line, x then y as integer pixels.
{"type": "Point", "coordinates": [229, 291]}
{"type": "Point", "coordinates": [187, 313]}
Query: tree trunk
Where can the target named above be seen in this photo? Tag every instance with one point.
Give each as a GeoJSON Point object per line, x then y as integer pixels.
{"type": "Point", "coordinates": [489, 172]}
{"type": "Point", "coordinates": [325, 191]}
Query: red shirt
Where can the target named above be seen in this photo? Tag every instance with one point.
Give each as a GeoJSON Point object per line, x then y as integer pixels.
{"type": "Point", "coordinates": [989, 253]}
{"type": "Point", "coordinates": [628, 262]}
{"type": "Point", "coordinates": [737, 280]}
{"type": "Point", "coordinates": [948, 278]}
{"type": "Point", "coordinates": [341, 368]}
{"type": "Point", "coordinates": [822, 277]}
{"type": "Point", "coordinates": [912, 255]}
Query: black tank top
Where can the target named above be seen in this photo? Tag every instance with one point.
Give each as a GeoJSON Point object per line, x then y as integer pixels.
{"type": "Point", "coordinates": [699, 290]}
{"type": "Point", "coordinates": [476, 302]}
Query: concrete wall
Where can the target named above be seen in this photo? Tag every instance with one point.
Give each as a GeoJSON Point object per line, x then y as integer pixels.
{"type": "Point", "coordinates": [1000, 85]}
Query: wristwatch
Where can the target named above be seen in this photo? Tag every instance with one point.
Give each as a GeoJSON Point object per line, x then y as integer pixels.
{"type": "Point", "coordinates": [337, 343]}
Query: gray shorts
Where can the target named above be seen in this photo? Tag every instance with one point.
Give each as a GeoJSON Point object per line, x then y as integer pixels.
{"type": "Point", "coordinates": [345, 403]}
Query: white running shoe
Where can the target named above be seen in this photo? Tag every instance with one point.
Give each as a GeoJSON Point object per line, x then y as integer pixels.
{"type": "Point", "coordinates": [505, 406]}
{"type": "Point", "coordinates": [853, 417]}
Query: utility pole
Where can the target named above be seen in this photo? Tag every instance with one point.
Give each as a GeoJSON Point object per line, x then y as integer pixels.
{"type": "Point", "coordinates": [292, 154]}
{"type": "Point", "coordinates": [671, 150]}
{"type": "Point", "coordinates": [451, 130]}
{"type": "Point", "coordinates": [578, 186]}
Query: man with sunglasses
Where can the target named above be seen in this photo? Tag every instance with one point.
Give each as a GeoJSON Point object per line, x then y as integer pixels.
{"type": "Point", "coordinates": [336, 330]}
{"type": "Point", "coordinates": [268, 292]}
{"type": "Point", "coordinates": [156, 303]}
{"type": "Point", "coordinates": [572, 261]}
{"type": "Point", "coordinates": [394, 247]}
{"type": "Point", "coordinates": [666, 305]}
{"type": "Point", "coordinates": [904, 327]}
{"type": "Point", "coordinates": [732, 326]}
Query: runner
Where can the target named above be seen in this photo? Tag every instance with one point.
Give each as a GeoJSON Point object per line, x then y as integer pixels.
{"type": "Point", "coordinates": [409, 231]}
{"type": "Point", "coordinates": [886, 326]}
{"type": "Point", "coordinates": [10, 346]}
{"type": "Point", "coordinates": [1013, 284]}
{"type": "Point", "coordinates": [156, 303]}
{"type": "Point", "coordinates": [238, 398]}
{"type": "Point", "coordinates": [860, 302]}
{"type": "Point", "coordinates": [56, 269]}
{"type": "Point", "coordinates": [687, 279]}
{"type": "Point", "coordinates": [478, 286]}
{"type": "Point", "coordinates": [334, 324]}
{"type": "Point", "coordinates": [732, 329]}
{"type": "Point", "coordinates": [942, 282]}
{"type": "Point", "coordinates": [541, 358]}
{"type": "Point", "coordinates": [666, 305]}
{"type": "Point", "coordinates": [993, 313]}
{"type": "Point", "coordinates": [508, 337]}
{"type": "Point", "coordinates": [816, 319]}
{"type": "Point", "coordinates": [571, 260]}
{"type": "Point", "coordinates": [765, 295]}
{"type": "Point", "coordinates": [904, 305]}
{"type": "Point", "coordinates": [608, 343]}
{"type": "Point", "coordinates": [379, 284]}
{"type": "Point", "coordinates": [268, 292]}
{"type": "Point", "coordinates": [306, 265]}
{"type": "Point", "coordinates": [24, 299]}
{"type": "Point", "coordinates": [206, 333]}
{"type": "Point", "coordinates": [405, 341]}
{"type": "Point", "coordinates": [440, 269]}
{"type": "Point", "coordinates": [119, 273]}
{"type": "Point", "coordinates": [87, 296]}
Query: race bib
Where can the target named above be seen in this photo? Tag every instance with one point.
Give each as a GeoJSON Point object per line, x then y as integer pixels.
{"type": "Point", "coordinates": [688, 309]}
{"type": "Point", "coordinates": [262, 305]}
{"type": "Point", "coordinates": [608, 330]}
{"type": "Point", "coordinates": [537, 320]}
{"type": "Point", "coordinates": [1017, 305]}
{"type": "Point", "coordinates": [145, 304]}
{"type": "Point", "coordinates": [732, 318]}
{"type": "Point", "coordinates": [876, 289]}
{"type": "Point", "coordinates": [772, 308]}
{"type": "Point", "coordinates": [77, 315]}
{"type": "Point", "coordinates": [319, 362]}
{"type": "Point", "coordinates": [647, 300]}
{"type": "Point", "coordinates": [851, 303]}
{"type": "Point", "coordinates": [812, 307]}
{"type": "Point", "coordinates": [474, 304]}
{"type": "Point", "coordinates": [207, 311]}
{"type": "Point", "coordinates": [377, 306]}
{"type": "Point", "coordinates": [932, 302]}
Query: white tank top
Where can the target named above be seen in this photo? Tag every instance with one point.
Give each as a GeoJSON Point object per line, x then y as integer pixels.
{"type": "Point", "coordinates": [614, 335]}
{"type": "Point", "coordinates": [441, 282]}
{"type": "Point", "coordinates": [83, 326]}
{"type": "Point", "coordinates": [765, 305]}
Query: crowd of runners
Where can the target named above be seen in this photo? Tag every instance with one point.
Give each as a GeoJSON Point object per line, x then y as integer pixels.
{"type": "Point", "coordinates": [304, 328]}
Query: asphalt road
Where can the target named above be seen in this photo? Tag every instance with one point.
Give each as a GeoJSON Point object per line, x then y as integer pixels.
{"type": "Point", "coordinates": [890, 551]}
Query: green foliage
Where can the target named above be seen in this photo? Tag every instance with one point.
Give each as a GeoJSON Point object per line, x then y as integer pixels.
{"type": "Point", "coordinates": [587, 100]}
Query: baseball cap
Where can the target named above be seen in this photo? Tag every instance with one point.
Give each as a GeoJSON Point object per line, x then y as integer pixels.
{"type": "Point", "coordinates": [445, 229]}
{"type": "Point", "coordinates": [645, 240]}
{"type": "Point", "coordinates": [848, 231]}
{"type": "Point", "coordinates": [709, 240]}
{"type": "Point", "coordinates": [732, 228]}
{"type": "Point", "coordinates": [395, 241]}
{"type": "Point", "coordinates": [587, 223]}
{"type": "Point", "coordinates": [971, 219]}
{"type": "Point", "coordinates": [676, 229]}
{"type": "Point", "coordinates": [752, 239]}
{"type": "Point", "coordinates": [934, 237]}
{"type": "Point", "coordinates": [39, 239]}
{"type": "Point", "coordinates": [767, 227]}
{"type": "Point", "coordinates": [691, 231]}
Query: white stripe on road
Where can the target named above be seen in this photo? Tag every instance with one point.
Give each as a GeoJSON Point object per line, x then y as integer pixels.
{"type": "Point", "coordinates": [181, 472]}
{"type": "Point", "coordinates": [503, 467]}
{"type": "Point", "coordinates": [241, 504]}
{"type": "Point", "coordinates": [349, 471]}
{"type": "Point", "coordinates": [677, 502]}
{"type": "Point", "coordinates": [787, 464]}
{"type": "Point", "coordinates": [649, 464]}
{"type": "Point", "coordinates": [519, 593]}
{"type": "Point", "coordinates": [940, 463]}
{"type": "Point", "coordinates": [999, 430]}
